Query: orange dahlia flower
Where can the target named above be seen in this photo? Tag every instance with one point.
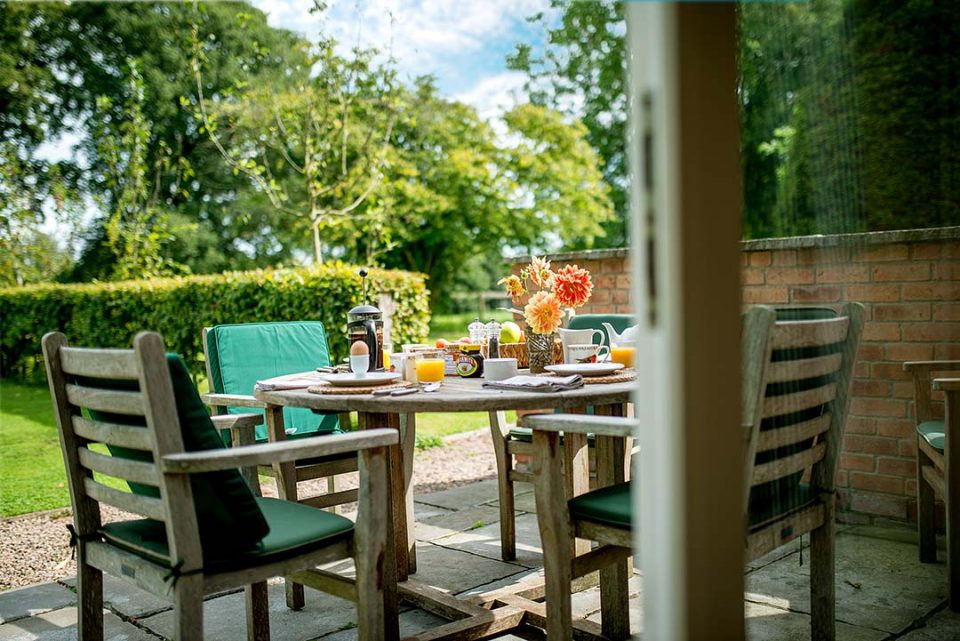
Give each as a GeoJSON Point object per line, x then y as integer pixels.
{"type": "Point", "coordinates": [572, 286]}
{"type": "Point", "coordinates": [543, 313]}
{"type": "Point", "coordinates": [540, 272]}
{"type": "Point", "coordinates": [514, 286]}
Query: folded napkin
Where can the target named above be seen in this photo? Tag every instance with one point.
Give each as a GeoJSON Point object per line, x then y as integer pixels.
{"type": "Point", "coordinates": [301, 380]}
{"type": "Point", "coordinates": [538, 383]}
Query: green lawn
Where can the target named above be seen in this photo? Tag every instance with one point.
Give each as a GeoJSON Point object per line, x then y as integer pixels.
{"type": "Point", "coordinates": [32, 477]}
{"type": "Point", "coordinates": [453, 326]}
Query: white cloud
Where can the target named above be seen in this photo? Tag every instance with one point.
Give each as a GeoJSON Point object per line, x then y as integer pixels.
{"type": "Point", "coordinates": [493, 95]}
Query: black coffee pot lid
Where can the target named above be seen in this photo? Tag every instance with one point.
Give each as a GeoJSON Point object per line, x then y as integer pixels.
{"type": "Point", "coordinates": [364, 309]}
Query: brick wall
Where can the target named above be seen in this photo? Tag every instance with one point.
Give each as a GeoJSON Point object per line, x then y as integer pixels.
{"type": "Point", "coordinates": [909, 282]}
{"type": "Point", "coordinates": [610, 271]}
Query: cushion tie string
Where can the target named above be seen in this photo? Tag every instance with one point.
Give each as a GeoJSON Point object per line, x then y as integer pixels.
{"type": "Point", "coordinates": [76, 538]}
{"type": "Point", "coordinates": [173, 574]}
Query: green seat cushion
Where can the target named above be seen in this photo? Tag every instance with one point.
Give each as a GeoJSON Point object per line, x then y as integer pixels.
{"type": "Point", "coordinates": [933, 433]}
{"type": "Point", "coordinates": [227, 514]}
{"type": "Point", "coordinates": [525, 434]}
{"type": "Point", "coordinates": [619, 322]}
{"type": "Point", "coordinates": [242, 354]}
{"type": "Point", "coordinates": [776, 501]}
{"type": "Point", "coordinates": [609, 505]}
{"type": "Point", "coordinates": [294, 529]}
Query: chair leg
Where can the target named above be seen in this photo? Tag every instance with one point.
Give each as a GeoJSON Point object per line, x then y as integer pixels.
{"type": "Point", "coordinates": [188, 608]}
{"type": "Point", "coordinates": [556, 533]}
{"type": "Point", "coordinates": [615, 601]}
{"type": "Point", "coordinates": [508, 536]}
{"type": "Point", "coordinates": [823, 576]}
{"type": "Point", "coordinates": [374, 545]}
{"type": "Point", "coordinates": [89, 599]}
{"type": "Point", "coordinates": [926, 532]}
{"type": "Point", "coordinates": [258, 611]}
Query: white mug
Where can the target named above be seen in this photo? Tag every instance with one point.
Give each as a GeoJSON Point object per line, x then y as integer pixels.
{"type": "Point", "coordinates": [359, 365]}
{"type": "Point", "coordinates": [587, 353]}
{"type": "Point", "coordinates": [499, 369]}
{"type": "Point", "coordinates": [578, 337]}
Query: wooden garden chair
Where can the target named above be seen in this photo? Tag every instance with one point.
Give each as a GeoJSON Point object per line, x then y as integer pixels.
{"type": "Point", "coordinates": [796, 383]}
{"type": "Point", "coordinates": [938, 450]}
{"type": "Point", "coordinates": [202, 530]}
{"type": "Point", "coordinates": [511, 441]}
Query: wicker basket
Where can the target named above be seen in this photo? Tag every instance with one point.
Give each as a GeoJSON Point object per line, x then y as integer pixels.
{"type": "Point", "coordinates": [519, 352]}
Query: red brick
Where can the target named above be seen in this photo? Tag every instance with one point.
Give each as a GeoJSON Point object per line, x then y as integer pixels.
{"type": "Point", "coordinates": [946, 271]}
{"type": "Point", "coordinates": [946, 311]}
{"type": "Point", "coordinates": [879, 504]}
{"type": "Point", "coordinates": [889, 370]}
{"type": "Point", "coordinates": [946, 353]}
{"type": "Point", "coordinates": [823, 255]}
{"type": "Point", "coordinates": [816, 294]}
{"type": "Point", "coordinates": [881, 332]}
{"type": "Point", "coordinates": [785, 257]}
{"type": "Point", "coordinates": [844, 274]}
{"type": "Point", "coordinates": [612, 266]}
{"type": "Point", "coordinates": [901, 311]}
{"type": "Point", "coordinates": [878, 407]}
{"type": "Point", "coordinates": [902, 389]}
{"type": "Point", "coordinates": [876, 483]}
{"type": "Point", "coordinates": [842, 478]}
{"type": "Point", "coordinates": [910, 488]}
{"type": "Point", "coordinates": [897, 466]}
{"type": "Point", "coordinates": [908, 352]}
{"type": "Point", "coordinates": [624, 309]}
{"type": "Point", "coordinates": [869, 444]}
{"type": "Point", "coordinates": [950, 249]}
{"type": "Point", "coordinates": [907, 448]}
{"type": "Point", "coordinates": [902, 272]}
{"type": "Point", "coordinates": [860, 425]}
{"type": "Point", "coordinates": [789, 276]}
{"type": "Point", "coordinates": [604, 309]}
{"type": "Point", "coordinates": [932, 291]}
{"type": "Point", "coordinates": [623, 281]}
{"type": "Point", "coordinates": [765, 295]}
{"type": "Point", "coordinates": [592, 266]}
{"type": "Point", "coordinates": [600, 296]}
{"type": "Point", "coordinates": [925, 250]}
{"type": "Point", "coordinates": [752, 276]}
{"type": "Point", "coordinates": [895, 427]}
{"type": "Point", "coordinates": [760, 259]}
{"type": "Point", "coordinates": [605, 281]}
{"type": "Point", "coordinates": [879, 253]}
{"type": "Point", "coordinates": [744, 259]}
{"type": "Point", "coordinates": [937, 332]}
{"type": "Point", "coordinates": [621, 296]}
{"type": "Point", "coordinates": [868, 387]}
{"type": "Point", "coordinates": [873, 293]}
{"type": "Point", "coordinates": [861, 369]}
{"type": "Point", "coordinates": [859, 462]}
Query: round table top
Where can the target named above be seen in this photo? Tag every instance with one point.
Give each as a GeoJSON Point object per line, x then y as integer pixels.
{"type": "Point", "coordinates": [455, 395]}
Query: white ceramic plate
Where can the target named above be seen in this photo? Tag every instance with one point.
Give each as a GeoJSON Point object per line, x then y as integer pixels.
{"type": "Point", "coordinates": [371, 379]}
{"type": "Point", "coordinates": [585, 369]}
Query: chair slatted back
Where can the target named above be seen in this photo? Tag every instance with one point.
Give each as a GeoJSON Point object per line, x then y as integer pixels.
{"type": "Point", "coordinates": [797, 385]}
{"type": "Point", "coordinates": [96, 392]}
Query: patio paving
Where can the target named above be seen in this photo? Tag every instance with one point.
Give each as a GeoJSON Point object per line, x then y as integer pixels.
{"type": "Point", "coordinates": [883, 592]}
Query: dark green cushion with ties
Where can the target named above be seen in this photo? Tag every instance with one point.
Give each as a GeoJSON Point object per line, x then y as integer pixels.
{"type": "Point", "coordinates": [227, 514]}
{"type": "Point", "coordinates": [609, 505]}
{"type": "Point", "coordinates": [242, 354]}
{"type": "Point", "coordinates": [525, 434]}
{"type": "Point", "coordinates": [933, 433]}
{"type": "Point", "coordinates": [619, 322]}
{"type": "Point", "coordinates": [294, 529]}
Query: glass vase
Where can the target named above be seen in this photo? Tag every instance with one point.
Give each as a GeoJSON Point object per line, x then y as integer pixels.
{"type": "Point", "coordinates": [540, 350]}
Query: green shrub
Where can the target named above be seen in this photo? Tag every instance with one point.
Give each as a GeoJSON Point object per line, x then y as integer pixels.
{"type": "Point", "coordinates": [111, 314]}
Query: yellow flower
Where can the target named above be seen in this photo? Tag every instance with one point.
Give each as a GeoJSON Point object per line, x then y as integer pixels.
{"type": "Point", "coordinates": [540, 272]}
{"type": "Point", "coordinates": [543, 313]}
{"type": "Point", "coordinates": [514, 286]}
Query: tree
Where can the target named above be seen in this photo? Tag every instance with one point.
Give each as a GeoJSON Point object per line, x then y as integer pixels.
{"type": "Point", "coordinates": [581, 72]}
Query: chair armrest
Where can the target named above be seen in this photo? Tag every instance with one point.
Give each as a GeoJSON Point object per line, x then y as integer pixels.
{"type": "Point", "coordinates": [238, 421]}
{"type": "Point", "coordinates": [267, 453]}
{"type": "Point", "coordinates": [583, 423]}
{"type": "Point", "coordinates": [931, 366]}
{"type": "Point", "coordinates": [232, 400]}
{"type": "Point", "coordinates": [947, 384]}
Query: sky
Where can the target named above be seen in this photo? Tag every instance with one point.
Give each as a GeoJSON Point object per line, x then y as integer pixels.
{"type": "Point", "coordinates": [464, 45]}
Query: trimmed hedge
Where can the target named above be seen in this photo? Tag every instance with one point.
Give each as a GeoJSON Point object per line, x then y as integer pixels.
{"type": "Point", "coordinates": [111, 314]}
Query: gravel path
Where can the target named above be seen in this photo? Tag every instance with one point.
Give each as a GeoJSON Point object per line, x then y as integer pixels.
{"type": "Point", "coordinates": [34, 548]}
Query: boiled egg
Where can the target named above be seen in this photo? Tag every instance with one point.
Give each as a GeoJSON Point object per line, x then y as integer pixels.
{"type": "Point", "coordinates": [359, 348]}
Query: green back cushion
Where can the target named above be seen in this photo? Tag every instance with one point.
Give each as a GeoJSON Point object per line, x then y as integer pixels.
{"type": "Point", "coordinates": [619, 322]}
{"type": "Point", "coordinates": [228, 517]}
{"type": "Point", "coordinates": [240, 355]}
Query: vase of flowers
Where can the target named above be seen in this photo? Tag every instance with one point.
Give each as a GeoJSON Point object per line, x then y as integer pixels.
{"type": "Point", "coordinates": [557, 294]}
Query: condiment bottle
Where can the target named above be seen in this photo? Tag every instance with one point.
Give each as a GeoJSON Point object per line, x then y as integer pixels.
{"type": "Point", "coordinates": [470, 361]}
{"type": "Point", "coordinates": [475, 331]}
{"type": "Point", "coordinates": [493, 339]}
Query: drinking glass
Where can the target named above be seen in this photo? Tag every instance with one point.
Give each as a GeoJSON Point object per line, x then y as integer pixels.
{"type": "Point", "coordinates": [430, 366]}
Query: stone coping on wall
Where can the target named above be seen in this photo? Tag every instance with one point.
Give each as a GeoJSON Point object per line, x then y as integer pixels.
{"type": "Point", "coordinates": [586, 254]}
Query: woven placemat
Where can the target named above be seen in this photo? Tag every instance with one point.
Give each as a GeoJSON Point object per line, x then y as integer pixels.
{"type": "Point", "coordinates": [327, 388]}
{"type": "Point", "coordinates": [622, 376]}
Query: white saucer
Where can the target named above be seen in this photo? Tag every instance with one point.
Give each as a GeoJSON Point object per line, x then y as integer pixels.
{"type": "Point", "coordinates": [370, 379]}
{"type": "Point", "coordinates": [585, 369]}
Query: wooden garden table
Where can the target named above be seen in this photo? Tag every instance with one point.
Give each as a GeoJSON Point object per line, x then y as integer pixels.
{"type": "Point", "coordinates": [455, 395]}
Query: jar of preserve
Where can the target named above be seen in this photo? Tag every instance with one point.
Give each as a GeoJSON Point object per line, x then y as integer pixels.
{"type": "Point", "coordinates": [470, 361]}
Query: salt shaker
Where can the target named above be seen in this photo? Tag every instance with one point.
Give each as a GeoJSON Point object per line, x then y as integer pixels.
{"type": "Point", "coordinates": [476, 330]}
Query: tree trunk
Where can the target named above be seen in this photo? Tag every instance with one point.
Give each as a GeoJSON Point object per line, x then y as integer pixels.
{"type": "Point", "coordinates": [317, 246]}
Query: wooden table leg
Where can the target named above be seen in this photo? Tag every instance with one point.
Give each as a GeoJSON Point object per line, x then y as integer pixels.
{"type": "Point", "coordinates": [402, 520]}
{"type": "Point", "coordinates": [286, 477]}
{"type": "Point", "coordinates": [408, 443]}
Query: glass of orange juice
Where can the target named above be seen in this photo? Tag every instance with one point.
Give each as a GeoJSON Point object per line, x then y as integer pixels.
{"type": "Point", "coordinates": [430, 366]}
{"type": "Point", "coordinates": [625, 353]}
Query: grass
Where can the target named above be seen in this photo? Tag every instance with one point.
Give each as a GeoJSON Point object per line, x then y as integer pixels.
{"type": "Point", "coordinates": [32, 476]}
{"type": "Point", "coordinates": [453, 326]}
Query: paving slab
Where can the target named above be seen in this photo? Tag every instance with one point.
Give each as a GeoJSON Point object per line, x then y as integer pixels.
{"type": "Point", "coordinates": [61, 625]}
{"type": "Point", "coordinates": [442, 525]}
{"type": "Point", "coordinates": [942, 626]}
{"type": "Point", "coordinates": [456, 570]}
{"type": "Point", "coordinates": [225, 619]}
{"type": "Point", "coordinates": [769, 623]}
{"type": "Point", "coordinates": [485, 541]}
{"type": "Point", "coordinates": [522, 502]}
{"type": "Point", "coordinates": [635, 612]}
{"type": "Point", "coordinates": [457, 498]}
{"type": "Point", "coordinates": [34, 600]}
{"type": "Point", "coordinates": [127, 599]}
{"type": "Point", "coordinates": [412, 622]}
{"type": "Point", "coordinates": [880, 583]}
